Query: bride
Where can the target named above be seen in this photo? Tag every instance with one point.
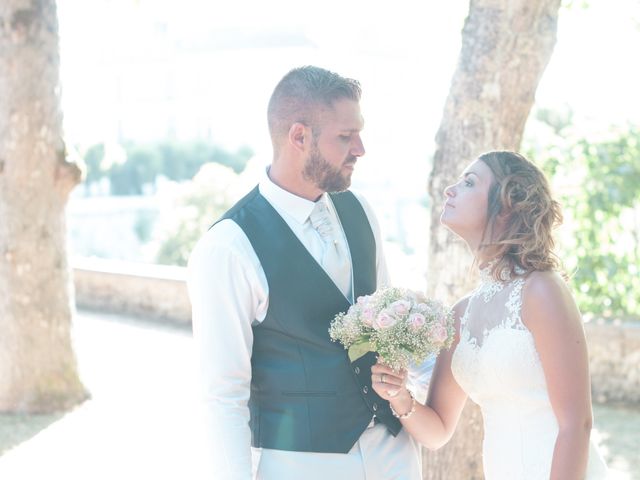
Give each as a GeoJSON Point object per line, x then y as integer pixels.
{"type": "Point", "coordinates": [520, 350]}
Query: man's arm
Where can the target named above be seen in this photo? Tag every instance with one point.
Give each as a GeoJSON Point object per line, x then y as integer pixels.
{"type": "Point", "coordinates": [222, 286]}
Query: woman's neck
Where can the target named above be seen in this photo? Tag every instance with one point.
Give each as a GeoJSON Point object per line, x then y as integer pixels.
{"type": "Point", "coordinates": [484, 256]}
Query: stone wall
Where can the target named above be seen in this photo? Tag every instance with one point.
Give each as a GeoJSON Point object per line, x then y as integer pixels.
{"type": "Point", "coordinates": [160, 292]}
{"type": "Point", "coordinates": [614, 360]}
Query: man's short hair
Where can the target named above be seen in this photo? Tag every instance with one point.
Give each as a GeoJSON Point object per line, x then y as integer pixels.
{"type": "Point", "coordinates": [302, 94]}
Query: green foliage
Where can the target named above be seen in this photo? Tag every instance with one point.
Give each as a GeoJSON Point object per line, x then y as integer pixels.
{"type": "Point", "coordinates": [576, 4]}
{"type": "Point", "coordinates": [143, 163]}
{"type": "Point", "coordinates": [93, 159]}
{"type": "Point", "coordinates": [143, 226]}
{"type": "Point", "coordinates": [211, 193]}
{"type": "Point", "coordinates": [598, 185]}
{"type": "Point", "coordinates": [124, 181]}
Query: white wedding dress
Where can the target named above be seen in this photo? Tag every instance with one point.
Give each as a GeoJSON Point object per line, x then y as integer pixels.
{"type": "Point", "coordinates": [497, 365]}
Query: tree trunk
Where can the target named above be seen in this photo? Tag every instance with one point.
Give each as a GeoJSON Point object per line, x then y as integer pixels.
{"type": "Point", "coordinates": [506, 45]}
{"type": "Point", "coordinates": [38, 370]}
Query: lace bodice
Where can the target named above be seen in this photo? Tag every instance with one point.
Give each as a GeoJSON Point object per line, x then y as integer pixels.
{"type": "Point", "coordinates": [497, 364]}
{"type": "Point", "coordinates": [496, 304]}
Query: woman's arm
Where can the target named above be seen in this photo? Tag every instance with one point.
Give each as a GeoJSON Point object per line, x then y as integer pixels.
{"type": "Point", "coordinates": [550, 313]}
{"type": "Point", "coordinates": [432, 424]}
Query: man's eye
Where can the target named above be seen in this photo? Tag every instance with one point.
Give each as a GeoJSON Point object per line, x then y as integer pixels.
{"type": "Point", "coordinates": [346, 138]}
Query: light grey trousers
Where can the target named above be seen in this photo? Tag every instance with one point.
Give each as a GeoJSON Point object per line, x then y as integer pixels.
{"type": "Point", "coordinates": [377, 455]}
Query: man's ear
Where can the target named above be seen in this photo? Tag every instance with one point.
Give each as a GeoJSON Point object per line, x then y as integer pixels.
{"type": "Point", "coordinates": [299, 136]}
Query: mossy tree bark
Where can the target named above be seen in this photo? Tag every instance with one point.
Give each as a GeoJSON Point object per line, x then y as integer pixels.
{"type": "Point", "coordinates": [506, 46]}
{"type": "Point", "coordinates": [38, 371]}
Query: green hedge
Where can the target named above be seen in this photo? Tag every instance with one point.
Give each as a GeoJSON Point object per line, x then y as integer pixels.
{"type": "Point", "coordinates": [144, 163]}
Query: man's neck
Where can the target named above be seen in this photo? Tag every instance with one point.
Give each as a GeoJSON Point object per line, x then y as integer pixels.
{"type": "Point", "coordinates": [292, 182]}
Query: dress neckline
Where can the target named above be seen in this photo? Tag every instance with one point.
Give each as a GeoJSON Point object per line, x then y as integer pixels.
{"type": "Point", "coordinates": [489, 285]}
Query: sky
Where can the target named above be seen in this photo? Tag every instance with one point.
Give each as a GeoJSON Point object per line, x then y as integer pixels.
{"type": "Point", "coordinates": [155, 69]}
{"type": "Point", "coordinates": [594, 67]}
{"type": "Point", "coordinates": [208, 67]}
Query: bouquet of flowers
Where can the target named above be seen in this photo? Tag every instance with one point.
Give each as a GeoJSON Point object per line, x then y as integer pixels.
{"type": "Point", "coordinates": [399, 324]}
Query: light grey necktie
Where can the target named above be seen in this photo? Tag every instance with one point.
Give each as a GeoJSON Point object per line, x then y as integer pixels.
{"type": "Point", "coordinates": [335, 260]}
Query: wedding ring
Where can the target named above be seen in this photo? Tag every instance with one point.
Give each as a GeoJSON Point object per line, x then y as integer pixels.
{"type": "Point", "coordinates": [382, 378]}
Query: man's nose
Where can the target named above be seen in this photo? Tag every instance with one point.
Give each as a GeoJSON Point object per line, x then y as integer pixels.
{"type": "Point", "coordinates": [357, 149]}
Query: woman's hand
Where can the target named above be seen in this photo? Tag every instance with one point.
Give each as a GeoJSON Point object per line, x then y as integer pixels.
{"type": "Point", "coordinates": [391, 386]}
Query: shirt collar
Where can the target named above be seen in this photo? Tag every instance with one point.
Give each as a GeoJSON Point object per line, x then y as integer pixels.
{"type": "Point", "coordinates": [297, 207]}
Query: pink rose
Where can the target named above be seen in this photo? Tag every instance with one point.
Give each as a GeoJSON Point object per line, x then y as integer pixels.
{"type": "Point", "coordinates": [438, 333]}
{"type": "Point", "coordinates": [416, 320]}
{"type": "Point", "coordinates": [368, 315]}
{"type": "Point", "coordinates": [384, 320]}
{"type": "Point", "coordinates": [363, 300]}
{"type": "Point", "coordinates": [400, 307]}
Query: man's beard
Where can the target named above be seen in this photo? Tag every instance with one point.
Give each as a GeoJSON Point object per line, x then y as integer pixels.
{"type": "Point", "coordinates": [324, 175]}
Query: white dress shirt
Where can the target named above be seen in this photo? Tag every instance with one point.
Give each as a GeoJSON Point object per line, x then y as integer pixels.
{"type": "Point", "coordinates": [229, 293]}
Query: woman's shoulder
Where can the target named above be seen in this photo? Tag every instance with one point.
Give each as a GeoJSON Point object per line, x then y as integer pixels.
{"type": "Point", "coordinates": [540, 284]}
{"type": "Point", "coordinates": [460, 306]}
{"type": "Point", "coordinates": [546, 296]}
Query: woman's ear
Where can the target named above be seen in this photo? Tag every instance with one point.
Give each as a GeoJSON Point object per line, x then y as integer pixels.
{"type": "Point", "coordinates": [503, 216]}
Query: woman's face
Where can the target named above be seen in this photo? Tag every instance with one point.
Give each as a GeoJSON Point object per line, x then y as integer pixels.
{"type": "Point", "coordinates": [466, 203]}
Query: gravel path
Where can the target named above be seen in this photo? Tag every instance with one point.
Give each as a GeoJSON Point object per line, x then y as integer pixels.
{"type": "Point", "coordinates": [142, 420]}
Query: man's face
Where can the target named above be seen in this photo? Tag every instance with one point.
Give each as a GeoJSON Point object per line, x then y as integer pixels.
{"type": "Point", "coordinates": [336, 148]}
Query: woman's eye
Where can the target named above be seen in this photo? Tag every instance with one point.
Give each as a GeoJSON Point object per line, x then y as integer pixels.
{"type": "Point", "coordinates": [468, 183]}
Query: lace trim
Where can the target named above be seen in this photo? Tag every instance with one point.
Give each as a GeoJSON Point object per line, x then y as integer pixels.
{"type": "Point", "coordinates": [465, 315]}
{"type": "Point", "coordinates": [487, 289]}
{"type": "Point", "coordinates": [514, 306]}
{"type": "Point", "coordinates": [489, 286]}
{"type": "Point", "coordinates": [486, 272]}
{"type": "Point", "coordinates": [465, 334]}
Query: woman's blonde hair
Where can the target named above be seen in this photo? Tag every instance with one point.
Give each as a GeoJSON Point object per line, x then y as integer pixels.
{"type": "Point", "coordinates": [520, 199]}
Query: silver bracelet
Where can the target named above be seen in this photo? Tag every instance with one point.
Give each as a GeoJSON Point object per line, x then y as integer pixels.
{"type": "Point", "coordinates": [409, 413]}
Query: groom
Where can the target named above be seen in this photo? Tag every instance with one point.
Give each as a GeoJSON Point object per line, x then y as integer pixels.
{"type": "Point", "coordinates": [265, 282]}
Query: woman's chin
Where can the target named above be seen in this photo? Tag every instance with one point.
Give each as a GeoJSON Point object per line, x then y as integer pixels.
{"type": "Point", "coordinates": [449, 225]}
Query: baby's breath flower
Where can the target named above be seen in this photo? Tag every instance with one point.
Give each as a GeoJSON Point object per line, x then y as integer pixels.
{"type": "Point", "coordinates": [403, 326]}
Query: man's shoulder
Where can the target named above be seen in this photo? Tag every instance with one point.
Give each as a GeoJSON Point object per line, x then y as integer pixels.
{"type": "Point", "coordinates": [223, 235]}
{"type": "Point", "coordinates": [252, 195]}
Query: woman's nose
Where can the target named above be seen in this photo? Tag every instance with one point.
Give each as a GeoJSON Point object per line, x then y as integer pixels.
{"type": "Point", "coordinates": [450, 191]}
